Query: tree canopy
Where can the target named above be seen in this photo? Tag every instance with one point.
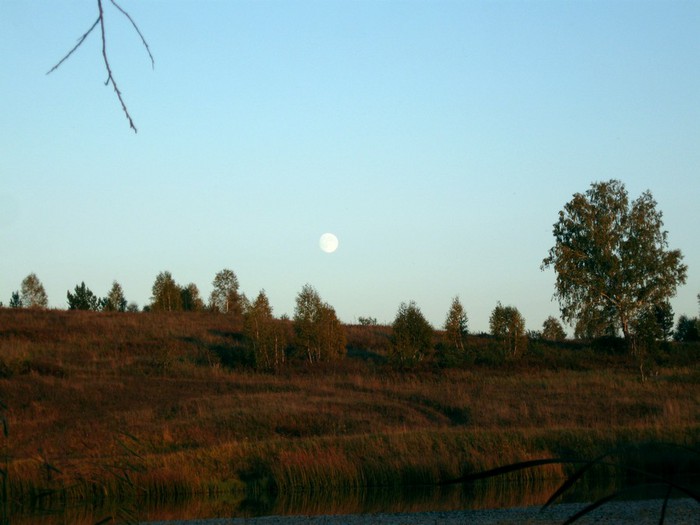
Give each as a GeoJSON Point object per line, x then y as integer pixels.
{"type": "Point", "coordinates": [552, 330]}
{"type": "Point", "coordinates": [224, 296]}
{"type": "Point", "coordinates": [264, 335]}
{"type": "Point", "coordinates": [456, 325]}
{"type": "Point", "coordinates": [318, 330]}
{"type": "Point", "coordinates": [508, 325]}
{"type": "Point", "coordinates": [412, 335]}
{"type": "Point", "coordinates": [611, 258]}
{"type": "Point", "coordinates": [115, 300]}
{"type": "Point", "coordinates": [32, 292]}
{"type": "Point", "coordinates": [167, 296]}
{"type": "Point", "coordinates": [82, 299]}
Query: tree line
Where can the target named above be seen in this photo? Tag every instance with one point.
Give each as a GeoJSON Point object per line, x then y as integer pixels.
{"type": "Point", "coordinates": [615, 274]}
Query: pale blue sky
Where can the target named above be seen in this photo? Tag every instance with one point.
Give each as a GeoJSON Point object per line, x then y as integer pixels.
{"type": "Point", "coordinates": [437, 139]}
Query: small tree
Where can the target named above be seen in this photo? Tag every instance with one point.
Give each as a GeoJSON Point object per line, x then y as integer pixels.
{"type": "Point", "coordinates": [552, 330]}
{"type": "Point", "coordinates": [224, 297]}
{"type": "Point", "coordinates": [191, 300]}
{"type": "Point", "coordinates": [166, 294]}
{"type": "Point", "coordinates": [412, 335]}
{"type": "Point", "coordinates": [688, 329]}
{"type": "Point", "coordinates": [332, 338]}
{"type": "Point", "coordinates": [508, 325]}
{"type": "Point", "coordinates": [33, 294]}
{"type": "Point", "coordinates": [456, 325]}
{"type": "Point", "coordinates": [15, 300]}
{"type": "Point", "coordinates": [318, 330]}
{"type": "Point", "coordinates": [82, 299]}
{"type": "Point", "coordinates": [115, 300]}
{"type": "Point", "coordinates": [261, 330]}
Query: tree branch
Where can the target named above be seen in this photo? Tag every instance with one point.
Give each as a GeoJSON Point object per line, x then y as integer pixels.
{"type": "Point", "coordinates": [143, 40]}
{"type": "Point", "coordinates": [105, 58]}
{"type": "Point", "coordinates": [80, 41]}
{"type": "Point", "coordinates": [110, 77]}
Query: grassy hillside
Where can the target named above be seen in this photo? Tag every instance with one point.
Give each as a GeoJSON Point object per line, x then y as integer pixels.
{"type": "Point", "coordinates": [98, 404]}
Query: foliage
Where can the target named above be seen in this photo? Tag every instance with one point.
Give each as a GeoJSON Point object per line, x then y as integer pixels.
{"type": "Point", "coordinates": [412, 335]}
{"type": "Point", "coordinates": [318, 331]}
{"type": "Point", "coordinates": [33, 294]}
{"type": "Point", "coordinates": [115, 300]}
{"type": "Point", "coordinates": [508, 326]}
{"type": "Point", "coordinates": [655, 323]}
{"type": "Point", "coordinates": [552, 330]}
{"type": "Point", "coordinates": [191, 300]}
{"type": "Point", "coordinates": [264, 334]}
{"type": "Point", "coordinates": [367, 321]}
{"type": "Point", "coordinates": [224, 297]}
{"type": "Point", "coordinates": [456, 325]}
{"type": "Point", "coordinates": [612, 259]}
{"type": "Point", "coordinates": [82, 299]}
{"type": "Point", "coordinates": [166, 294]}
{"type": "Point", "coordinates": [15, 300]}
{"type": "Point", "coordinates": [594, 324]}
{"type": "Point", "coordinates": [688, 329]}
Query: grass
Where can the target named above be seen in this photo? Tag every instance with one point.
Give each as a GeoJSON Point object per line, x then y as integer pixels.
{"type": "Point", "coordinates": [124, 405]}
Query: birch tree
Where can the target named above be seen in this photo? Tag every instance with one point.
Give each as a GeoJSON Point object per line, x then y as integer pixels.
{"type": "Point", "coordinates": [612, 258]}
{"type": "Point", "coordinates": [224, 297]}
{"type": "Point", "coordinates": [32, 293]}
{"type": "Point", "coordinates": [456, 325]}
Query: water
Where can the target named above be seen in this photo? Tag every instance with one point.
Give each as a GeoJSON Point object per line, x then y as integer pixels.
{"type": "Point", "coordinates": [492, 494]}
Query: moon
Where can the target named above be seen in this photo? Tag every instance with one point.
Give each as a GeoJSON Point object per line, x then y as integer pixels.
{"type": "Point", "coordinates": [328, 242]}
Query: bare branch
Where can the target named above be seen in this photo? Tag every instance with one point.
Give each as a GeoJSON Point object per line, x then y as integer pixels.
{"type": "Point", "coordinates": [143, 40]}
{"type": "Point", "coordinates": [80, 41]}
{"type": "Point", "coordinates": [110, 76]}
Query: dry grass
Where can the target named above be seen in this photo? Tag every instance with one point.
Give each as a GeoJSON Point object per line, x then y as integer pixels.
{"type": "Point", "coordinates": [169, 403]}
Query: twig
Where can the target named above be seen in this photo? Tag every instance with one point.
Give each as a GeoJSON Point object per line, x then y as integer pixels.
{"type": "Point", "coordinates": [143, 40]}
{"type": "Point", "coordinates": [110, 77]}
{"type": "Point", "coordinates": [80, 41]}
{"type": "Point", "coordinates": [105, 58]}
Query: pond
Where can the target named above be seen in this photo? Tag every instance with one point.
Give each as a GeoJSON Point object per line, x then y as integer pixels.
{"type": "Point", "coordinates": [491, 494]}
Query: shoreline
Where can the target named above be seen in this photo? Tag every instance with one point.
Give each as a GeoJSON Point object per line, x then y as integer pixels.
{"type": "Point", "coordinates": [681, 511]}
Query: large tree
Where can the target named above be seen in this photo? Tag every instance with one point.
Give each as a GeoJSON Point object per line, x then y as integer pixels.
{"type": "Point", "coordinates": [611, 257]}
{"type": "Point", "coordinates": [32, 293]}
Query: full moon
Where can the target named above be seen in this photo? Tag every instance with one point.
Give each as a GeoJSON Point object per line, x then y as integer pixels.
{"type": "Point", "coordinates": [328, 242]}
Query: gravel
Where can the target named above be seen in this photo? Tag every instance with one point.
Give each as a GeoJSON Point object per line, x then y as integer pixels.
{"type": "Point", "coordinates": [679, 512]}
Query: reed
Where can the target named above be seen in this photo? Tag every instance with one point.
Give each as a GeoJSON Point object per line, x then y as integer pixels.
{"type": "Point", "coordinates": [77, 384]}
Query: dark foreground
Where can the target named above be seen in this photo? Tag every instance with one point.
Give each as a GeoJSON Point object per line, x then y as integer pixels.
{"type": "Point", "coordinates": [678, 512]}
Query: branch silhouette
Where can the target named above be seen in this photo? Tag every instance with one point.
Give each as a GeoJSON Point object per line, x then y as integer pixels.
{"type": "Point", "coordinates": [110, 76]}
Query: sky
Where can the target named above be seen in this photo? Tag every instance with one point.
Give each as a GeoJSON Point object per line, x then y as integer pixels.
{"type": "Point", "coordinates": [438, 140]}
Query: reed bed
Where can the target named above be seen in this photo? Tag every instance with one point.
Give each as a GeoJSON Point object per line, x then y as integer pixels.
{"type": "Point", "coordinates": [127, 405]}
